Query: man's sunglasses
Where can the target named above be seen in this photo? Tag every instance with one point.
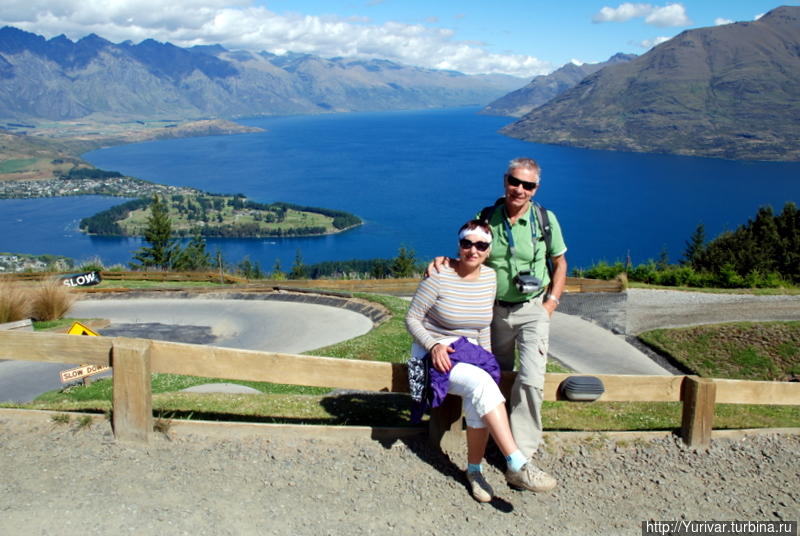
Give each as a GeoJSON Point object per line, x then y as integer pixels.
{"type": "Point", "coordinates": [467, 244]}
{"type": "Point", "coordinates": [513, 181]}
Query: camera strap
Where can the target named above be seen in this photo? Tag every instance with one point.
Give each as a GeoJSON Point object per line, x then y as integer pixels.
{"type": "Point", "coordinates": [510, 236]}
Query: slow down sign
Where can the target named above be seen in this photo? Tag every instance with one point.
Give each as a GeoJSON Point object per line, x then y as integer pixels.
{"type": "Point", "coordinates": [84, 370]}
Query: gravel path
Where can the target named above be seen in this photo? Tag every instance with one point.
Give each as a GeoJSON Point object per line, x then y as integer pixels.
{"type": "Point", "coordinates": [651, 309]}
{"type": "Point", "coordinates": [61, 481]}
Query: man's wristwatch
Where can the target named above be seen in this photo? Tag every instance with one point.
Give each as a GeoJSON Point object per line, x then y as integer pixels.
{"type": "Point", "coordinates": [553, 298]}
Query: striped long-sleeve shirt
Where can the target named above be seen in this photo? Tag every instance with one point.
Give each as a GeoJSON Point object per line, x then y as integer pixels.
{"type": "Point", "coordinates": [445, 305]}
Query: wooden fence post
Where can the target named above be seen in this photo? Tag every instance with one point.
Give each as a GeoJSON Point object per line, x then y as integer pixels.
{"type": "Point", "coordinates": [698, 396]}
{"type": "Point", "coordinates": [132, 396]}
{"type": "Point", "coordinates": [444, 428]}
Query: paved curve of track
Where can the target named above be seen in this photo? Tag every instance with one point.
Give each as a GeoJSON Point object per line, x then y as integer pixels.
{"type": "Point", "coordinates": [247, 324]}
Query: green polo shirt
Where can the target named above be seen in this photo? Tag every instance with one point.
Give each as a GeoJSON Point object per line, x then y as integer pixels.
{"type": "Point", "coordinates": [527, 256]}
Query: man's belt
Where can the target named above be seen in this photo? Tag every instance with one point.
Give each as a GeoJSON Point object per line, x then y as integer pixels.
{"type": "Point", "coordinates": [503, 303]}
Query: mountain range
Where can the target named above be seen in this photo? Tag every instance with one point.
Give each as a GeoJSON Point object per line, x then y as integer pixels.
{"type": "Point", "coordinates": [730, 91]}
{"type": "Point", "coordinates": [58, 79]}
{"type": "Point", "coordinates": [547, 86]}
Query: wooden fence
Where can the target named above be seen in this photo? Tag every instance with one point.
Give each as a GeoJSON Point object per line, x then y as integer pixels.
{"type": "Point", "coordinates": [134, 360]}
{"type": "Point", "coordinates": [397, 287]}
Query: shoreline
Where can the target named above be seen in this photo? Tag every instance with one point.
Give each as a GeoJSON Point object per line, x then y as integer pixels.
{"type": "Point", "coordinates": [124, 188]}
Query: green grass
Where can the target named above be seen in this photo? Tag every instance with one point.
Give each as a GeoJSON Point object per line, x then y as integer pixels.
{"type": "Point", "coordinates": [743, 350]}
{"type": "Point", "coordinates": [776, 353]}
{"type": "Point", "coordinates": [16, 164]}
{"type": "Point", "coordinates": [135, 222]}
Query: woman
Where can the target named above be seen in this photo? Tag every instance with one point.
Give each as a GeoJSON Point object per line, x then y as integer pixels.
{"type": "Point", "coordinates": [449, 319]}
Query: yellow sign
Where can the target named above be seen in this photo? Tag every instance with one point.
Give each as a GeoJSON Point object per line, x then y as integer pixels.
{"type": "Point", "coordinates": [79, 329]}
{"type": "Point", "coordinates": [85, 370]}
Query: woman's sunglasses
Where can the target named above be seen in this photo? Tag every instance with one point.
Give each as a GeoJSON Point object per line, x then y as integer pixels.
{"type": "Point", "coordinates": [480, 246]}
{"type": "Point", "coordinates": [513, 181]}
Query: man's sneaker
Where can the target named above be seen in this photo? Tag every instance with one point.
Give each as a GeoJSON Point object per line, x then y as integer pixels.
{"type": "Point", "coordinates": [481, 490]}
{"type": "Point", "coordinates": [531, 478]}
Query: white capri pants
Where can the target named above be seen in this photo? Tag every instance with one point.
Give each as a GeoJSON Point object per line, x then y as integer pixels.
{"type": "Point", "coordinates": [479, 394]}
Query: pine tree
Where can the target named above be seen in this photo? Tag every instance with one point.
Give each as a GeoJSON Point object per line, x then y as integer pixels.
{"type": "Point", "coordinates": [298, 269]}
{"type": "Point", "coordinates": [404, 264]}
{"type": "Point", "coordinates": [158, 233]}
{"type": "Point", "coordinates": [194, 257]}
{"type": "Point", "coordinates": [277, 271]}
{"type": "Point", "coordinates": [695, 245]}
{"type": "Point", "coordinates": [788, 223]}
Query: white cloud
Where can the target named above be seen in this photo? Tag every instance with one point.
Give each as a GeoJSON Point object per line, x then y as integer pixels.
{"type": "Point", "coordinates": [650, 43]}
{"type": "Point", "coordinates": [719, 21]}
{"type": "Point", "coordinates": [622, 13]}
{"type": "Point", "coordinates": [241, 24]}
{"type": "Point", "coordinates": [669, 15]}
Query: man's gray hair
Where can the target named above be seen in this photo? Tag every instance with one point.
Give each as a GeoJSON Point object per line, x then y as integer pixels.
{"type": "Point", "coordinates": [525, 163]}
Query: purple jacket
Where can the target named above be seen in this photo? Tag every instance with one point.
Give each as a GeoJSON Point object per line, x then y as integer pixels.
{"type": "Point", "coordinates": [465, 352]}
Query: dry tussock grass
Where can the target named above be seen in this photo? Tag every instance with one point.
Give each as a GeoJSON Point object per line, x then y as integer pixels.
{"type": "Point", "coordinates": [50, 300]}
{"type": "Point", "coordinates": [15, 302]}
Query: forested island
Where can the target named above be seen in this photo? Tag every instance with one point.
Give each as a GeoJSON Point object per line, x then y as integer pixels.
{"type": "Point", "coordinates": [223, 216]}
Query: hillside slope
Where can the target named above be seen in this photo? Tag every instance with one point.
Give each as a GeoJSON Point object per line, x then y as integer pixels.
{"type": "Point", "coordinates": [545, 87]}
{"type": "Point", "coordinates": [729, 91]}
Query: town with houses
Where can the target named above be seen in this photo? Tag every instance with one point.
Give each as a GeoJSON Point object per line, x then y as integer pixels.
{"type": "Point", "coordinates": [113, 186]}
{"type": "Point", "coordinates": [12, 263]}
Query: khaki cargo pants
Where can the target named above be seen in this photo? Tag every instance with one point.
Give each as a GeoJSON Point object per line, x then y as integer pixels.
{"type": "Point", "coordinates": [527, 327]}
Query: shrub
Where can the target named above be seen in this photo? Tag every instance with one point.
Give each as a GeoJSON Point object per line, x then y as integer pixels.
{"type": "Point", "coordinates": [50, 300]}
{"type": "Point", "coordinates": [92, 265]}
{"type": "Point", "coordinates": [15, 303]}
{"type": "Point", "coordinates": [727, 277]}
{"type": "Point", "coordinates": [644, 273]}
{"type": "Point", "coordinates": [603, 270]}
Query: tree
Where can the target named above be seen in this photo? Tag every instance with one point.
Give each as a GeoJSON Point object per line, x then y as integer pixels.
{"type": "Point", "coordinates": [158, 233]}
{"type": "Point", "coordinates": [404, 264]}
{"type": "Point", "coordinates": [767, 246]}
{"type": "Point", "coordinates": [277, 271]}
{"type": "Point", "coordinates": [298, 269]}
{"type": "Point", "coordinates": [381, 269]}
{"type": "Point", "coordinates": [249, 269]}
{"type": "Point", "coordinates": [695, 245]}
{"type": "Point", "coordinates": [663, 259]}
{"type": "Point", "coordinates": [194, 257]}
{"type": "Point", "coordinates": [788, 223]}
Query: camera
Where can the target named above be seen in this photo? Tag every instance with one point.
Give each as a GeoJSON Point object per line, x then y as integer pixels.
{"type": "Point", "coordinates": [527, 283]}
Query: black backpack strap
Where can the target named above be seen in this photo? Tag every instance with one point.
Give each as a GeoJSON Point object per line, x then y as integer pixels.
{"type": "Point", "coordinates": [547, 230]}
{"type": "Point", "coordinates": [547, 235]}
{"type": "Point", "coordinates": [487, 212]}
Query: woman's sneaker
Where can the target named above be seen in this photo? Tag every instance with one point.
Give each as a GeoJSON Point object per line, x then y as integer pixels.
{"type": "Point", "coordinates": [531, 478]}
{"type": "Point", "coordinates": [481, 490]}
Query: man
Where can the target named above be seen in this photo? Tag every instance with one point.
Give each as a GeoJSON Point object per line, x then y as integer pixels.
{"type": "Point", "coordinates": [527, 295]}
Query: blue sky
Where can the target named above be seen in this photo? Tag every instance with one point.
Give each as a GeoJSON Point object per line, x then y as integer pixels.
{"type": "Point", "coordinates": [522, 38]}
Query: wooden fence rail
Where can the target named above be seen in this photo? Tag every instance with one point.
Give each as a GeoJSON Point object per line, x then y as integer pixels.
{"type": "Point", "coordinates": [400, 286]}
{"type": "Point", "coordinates": [134, 360]}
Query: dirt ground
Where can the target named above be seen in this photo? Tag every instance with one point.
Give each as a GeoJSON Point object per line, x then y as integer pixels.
{"type": "Point", "coordinates": [63, 479]}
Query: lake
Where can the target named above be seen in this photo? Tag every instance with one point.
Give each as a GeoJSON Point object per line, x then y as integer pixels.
{"type": "Point", "coordinates": [414, 177]}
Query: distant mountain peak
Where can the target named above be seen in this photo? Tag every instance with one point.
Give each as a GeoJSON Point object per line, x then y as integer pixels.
{"type": "Point", "coordinates": [546, 87]}
{"type": "Point", "coordinates": [60, 79]}
{"type": "Point", "coordinates": [727, 91]}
